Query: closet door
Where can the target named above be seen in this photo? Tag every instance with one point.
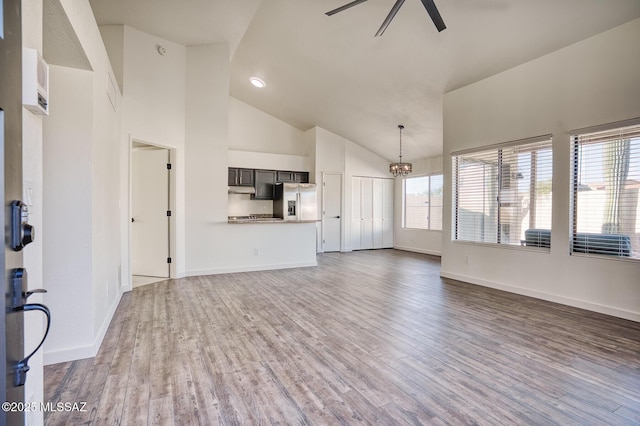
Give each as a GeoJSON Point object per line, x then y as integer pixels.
{"type": "Point", "coordinates": [387, 213]}
{"type": "Point", "coordinates": [366, 213]}
{"type": "Point", "coordinates": [356, 216]}
{"type": "Point", "coordinates": [378, 200]}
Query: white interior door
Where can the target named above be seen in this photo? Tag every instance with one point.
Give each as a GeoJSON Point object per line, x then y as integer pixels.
{"type": "Point", "coordinates": [366, 212]}
{"type": "Point", "coordinates": [331, 211]}
{"type": "Point", "coordinates": [149, 206]}
{"type": "Point", "coordinates": [378, 212]}
{"type": "Point", "coordinates": [356, 215]}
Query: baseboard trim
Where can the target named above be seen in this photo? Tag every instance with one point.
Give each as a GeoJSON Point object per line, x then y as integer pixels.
{"type": "Point", "coordinates": [251, 268]}
{"type": "Point", "coordinates": [418, 250]}
{"type": "Point", "coordinates": [576, 303]}
{"type": "Point", "coordinates": [88, 351]}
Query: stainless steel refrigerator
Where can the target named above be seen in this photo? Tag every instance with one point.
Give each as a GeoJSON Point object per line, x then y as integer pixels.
{"type": "Point", "coordinates": [295, 201]}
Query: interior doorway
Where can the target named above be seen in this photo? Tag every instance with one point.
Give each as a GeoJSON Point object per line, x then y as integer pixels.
{"type": "Point", "coordinates": [331, 211]}
{"type": "Point", "coordinates": [151, 213]}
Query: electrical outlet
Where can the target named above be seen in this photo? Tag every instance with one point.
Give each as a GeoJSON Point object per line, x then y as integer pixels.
{"type": "Point", "coordinates": [466, 260]}
{"type": "Point", "coordinates": [256, 252]}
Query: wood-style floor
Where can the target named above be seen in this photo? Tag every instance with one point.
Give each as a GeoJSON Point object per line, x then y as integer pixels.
{"type": "Point", "coordinates": [371, 337]}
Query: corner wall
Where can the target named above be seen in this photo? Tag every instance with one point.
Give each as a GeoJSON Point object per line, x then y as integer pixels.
{"type": "Point", "coordinates": [337, 154]}
{"type": "Point", "coordinates": [153, 112]}
{"type": "Point", "coordinates": [416, 240]}
{"type": "Point", "coordinates": [81, 198]}
{"type": "Point", "coordinates": [592, 82]}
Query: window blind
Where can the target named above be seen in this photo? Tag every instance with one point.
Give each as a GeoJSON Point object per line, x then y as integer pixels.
{"type": "Point", "coordinates": [605, 193]}
{"type": "Point", "coordinates": [502, 194]}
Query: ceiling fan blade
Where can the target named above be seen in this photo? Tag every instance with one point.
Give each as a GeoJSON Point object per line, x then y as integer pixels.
{"type": "Point", "coordinates": [435, 15]}
{"type": "Point", "coordinates": [389, 18]}
{"type": "Point", "coordinates": [345, 7]}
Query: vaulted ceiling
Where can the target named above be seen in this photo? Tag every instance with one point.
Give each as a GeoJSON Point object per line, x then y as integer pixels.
{"type": "Point", "coordinates": [332, 71]}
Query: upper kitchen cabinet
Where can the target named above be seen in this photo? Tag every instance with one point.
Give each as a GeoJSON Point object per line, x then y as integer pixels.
{"type": "Point", "coordinates": [301, 177]}
{"type": "Point", "coordinates": [240, 177]}
{"type": "Point", "coordinates": [283, 176]}
{"type": "Point", "coordinates": [297, 177]}
{"type": "Point", "coordinates": [264, 183]}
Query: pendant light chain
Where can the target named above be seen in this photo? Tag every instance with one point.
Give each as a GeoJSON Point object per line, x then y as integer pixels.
{"type": "Point", "coordinates": [400, 126]}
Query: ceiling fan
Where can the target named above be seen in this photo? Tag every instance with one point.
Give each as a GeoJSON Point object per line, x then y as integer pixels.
{"type": "Point", "coordinates": [428, 4]}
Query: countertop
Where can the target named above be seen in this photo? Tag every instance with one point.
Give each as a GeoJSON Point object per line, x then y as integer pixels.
{"type": "Point", "coordinates": [262, 219]}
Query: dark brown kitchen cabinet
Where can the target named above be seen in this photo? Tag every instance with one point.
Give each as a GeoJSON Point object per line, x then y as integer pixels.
{"type": "Point", "coordinates": [240, 177]}
{"type": "Point", "coordinates": [283, 176]}
{"type": "Point", "coordinates": [301, 177]}
{"type": "Point", "coordinates": [264, 183]}
{"type": "Point", "coordinates": [297, 177]}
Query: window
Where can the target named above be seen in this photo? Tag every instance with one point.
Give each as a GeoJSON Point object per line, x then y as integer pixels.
{"type": "Point", "coordinates": [423, 202]}
{"type": "Point", "coordinates": [605, 193]}
{"type": "Point", "coordinates": [502, 194]}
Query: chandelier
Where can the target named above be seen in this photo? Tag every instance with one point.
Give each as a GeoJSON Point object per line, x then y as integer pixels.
{"type": "Point", "coordinates": [400, 168]}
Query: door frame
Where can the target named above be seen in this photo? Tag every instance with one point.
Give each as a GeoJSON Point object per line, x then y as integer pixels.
{"type": "Point", "coordinates": [172, 206]}
{"type": "Point", "coordinates": [342, 210]}
{"type": "Point", "coordinates": [11, 188]}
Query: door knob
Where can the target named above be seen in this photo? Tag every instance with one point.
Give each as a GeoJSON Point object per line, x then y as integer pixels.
{"type": "Point", "coordinates": [336, 217]}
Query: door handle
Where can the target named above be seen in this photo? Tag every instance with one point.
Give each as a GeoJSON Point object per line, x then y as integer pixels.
{"type": "Point", "coordinates": [336, 217]}
{"type": "Point", "coordinates": [22, 367]}
{"type": "Point", "coordinates": [19, 298]}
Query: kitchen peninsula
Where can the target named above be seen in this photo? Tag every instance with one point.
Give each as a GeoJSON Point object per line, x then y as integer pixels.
{"type": "Point", "coordinates": [265, 219]}
{"type": "Point", "coordinates": [270, 242]}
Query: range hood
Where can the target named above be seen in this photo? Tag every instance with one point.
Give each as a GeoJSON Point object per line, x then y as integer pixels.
{"type": "Point", "coordinates": [241, 190]}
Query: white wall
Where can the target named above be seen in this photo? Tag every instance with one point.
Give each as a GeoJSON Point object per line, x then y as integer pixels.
{"type": "Point", "coordinates": [113, 37]}
{"type": "Point", "coordinates": [81, 198]}
{"type": "Point", "coordinates": [253, 130]}
{"type": "Point", "coordinates": [592, 82]}
{"type": "Point", "coordinates": [206, 153]}
{"type": "Point", "coordinates": [153, 111]}
{"type": "Point", "coordinates": [337, 154]}
{"type": "Point", "coordinates": [417, 240]}
{"type": "Point", "coordinates": [67, 231]}
{"type": "Point", "coordinates": [264, 160]}
{"type": "Point", "coordinates": [213, 245]}
{"type": "Point", "coordinates": [181, 101]}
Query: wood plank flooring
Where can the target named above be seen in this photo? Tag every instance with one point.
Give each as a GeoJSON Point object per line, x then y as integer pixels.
{"type": "Point", "coordinates": [370, 337]}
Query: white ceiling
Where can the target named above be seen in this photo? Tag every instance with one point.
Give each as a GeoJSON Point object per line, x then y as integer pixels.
{"type": "Point", "coordinates": [332, 71]}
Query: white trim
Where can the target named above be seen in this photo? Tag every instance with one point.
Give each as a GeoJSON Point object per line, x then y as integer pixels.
{"type": "Point", "coordinates": [582, 304]}
{"type": "Point", "coordinates": [496, 146]}
{"type": "Point", "coordinates": [88, 351]}
{"type": "Point", "coordinates": [605, 127]}
{"type": "Point", "coordinates": [252, 268]}
{"type": "Point", "coordinates": [418, 250]}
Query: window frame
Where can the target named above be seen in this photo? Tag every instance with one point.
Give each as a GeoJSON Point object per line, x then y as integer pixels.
{"type": "Point", "coordinates": [430, 204]}
{"type": "Point", "coordinates": [534, 145]}
{"type": "Point", "coordinates": [600, 134]}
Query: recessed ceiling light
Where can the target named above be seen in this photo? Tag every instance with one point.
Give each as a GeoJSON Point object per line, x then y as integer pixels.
{"type": "Point", "coordinates": [258, 82]}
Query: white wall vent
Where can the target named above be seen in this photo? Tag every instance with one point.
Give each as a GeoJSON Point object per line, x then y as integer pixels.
{"type": "Point", "coordinates": [35, 82]}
